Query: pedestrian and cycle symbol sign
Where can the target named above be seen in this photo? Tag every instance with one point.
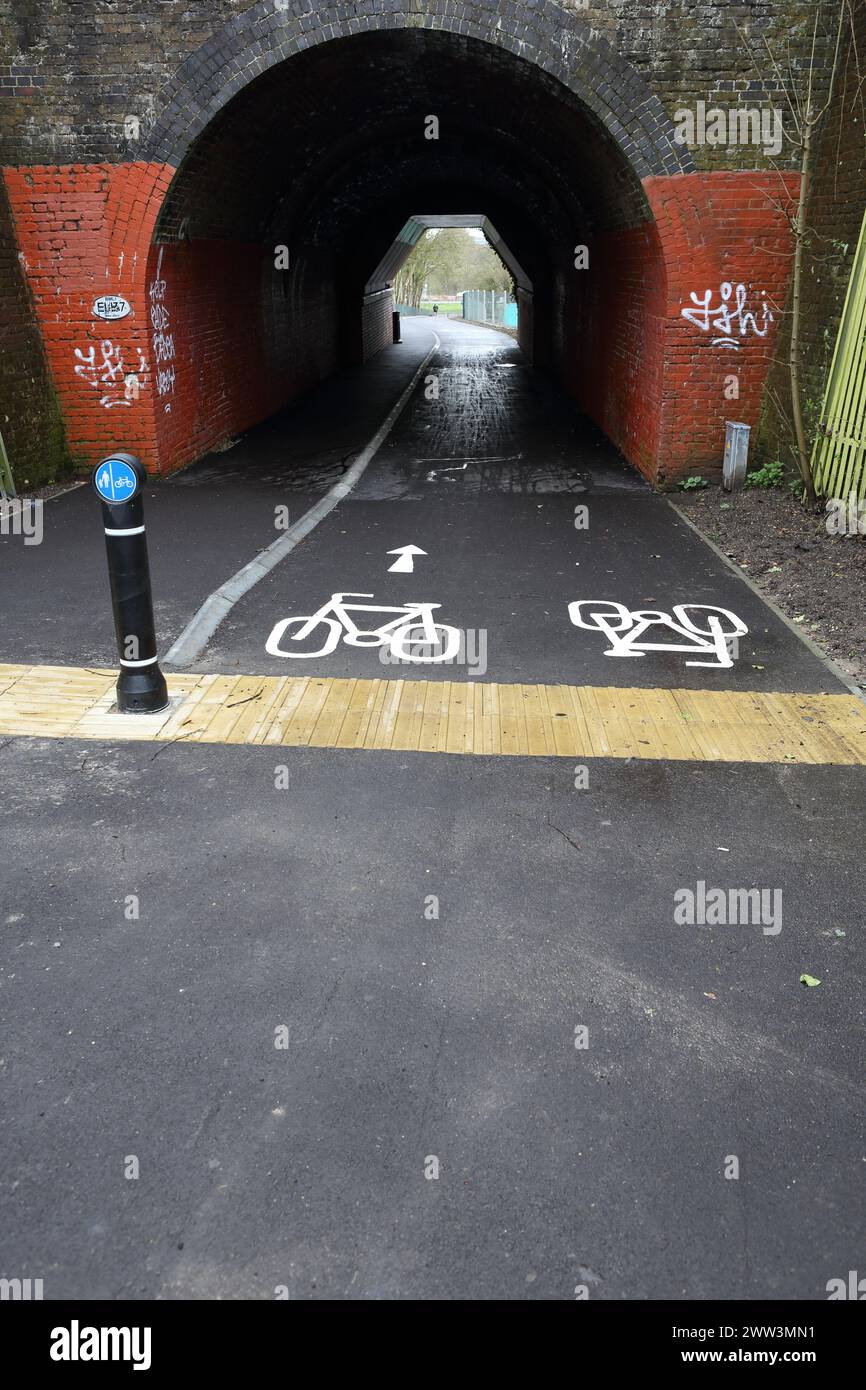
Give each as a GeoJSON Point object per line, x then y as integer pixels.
{"type": "Point", "coordinates": [115, 480]}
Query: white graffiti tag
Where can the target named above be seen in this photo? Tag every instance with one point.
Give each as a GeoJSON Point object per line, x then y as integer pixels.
{"type": "Point", "coordinates": [108, 372]}
{"type": "Point", "coordinates": [707, 630]}
{"type": "Point", "coordinates": [728, 318]}
{"type": "Point", "coordinates": [163, 339]}
{"type": "Point", "coordinates": [411, 636]}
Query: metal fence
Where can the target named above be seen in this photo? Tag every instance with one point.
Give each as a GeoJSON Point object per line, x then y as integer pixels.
{"type": "Point", "coordinates": [490, 306]}
{"type": "Point", "coordinates": [7, 484]}
{"type": "Point", "coordinates": [839, 459]}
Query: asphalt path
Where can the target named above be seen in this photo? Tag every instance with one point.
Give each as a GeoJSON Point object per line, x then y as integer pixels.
{"type": "Point", "coordinates": [411, 1037]}
{"type": "Point", "coordinates": [297, 984]}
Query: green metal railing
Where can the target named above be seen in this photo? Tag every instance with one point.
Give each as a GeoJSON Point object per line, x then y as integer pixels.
{"type": "Point", "coordinates": [7, 483]}
{"type": "Point", "coordinates": [839, 456]}
{"type": "Point", "coordinates": [489, 306]}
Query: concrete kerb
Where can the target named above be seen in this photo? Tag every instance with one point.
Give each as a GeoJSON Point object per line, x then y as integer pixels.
{"type": "Point", "coordinates": [804, 637]}
{"type": "Point", "coordinates": [199, 630]}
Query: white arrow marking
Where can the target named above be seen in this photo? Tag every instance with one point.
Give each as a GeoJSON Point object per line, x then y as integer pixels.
{"type": "Point", "coordinates": [404, 564]}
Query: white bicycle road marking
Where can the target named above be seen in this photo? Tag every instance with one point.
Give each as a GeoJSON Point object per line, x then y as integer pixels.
{"type": "Point", "coordinates": [204, 623]}
{"type": "Point", "coordinates": [711, 639]}
{"type": "Point", "coordinates": [412, 627]}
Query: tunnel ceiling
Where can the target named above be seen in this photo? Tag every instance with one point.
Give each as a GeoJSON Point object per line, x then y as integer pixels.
{"type": "Point", "coordinates": [328, 149]}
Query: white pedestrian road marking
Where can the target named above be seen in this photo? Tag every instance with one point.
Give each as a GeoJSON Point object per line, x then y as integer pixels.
{"type": "Point", "coordinates": [405, 562]}
{"type": "Point", "coordinates": [412, 628]}
{"type": "Point", "coordinates": [708, 630]}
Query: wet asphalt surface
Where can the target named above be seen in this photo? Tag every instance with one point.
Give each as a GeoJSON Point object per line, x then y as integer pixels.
{"type": "Point", "coordinates": [417, 1031]}
{"type": "Point", "coordinates": [483, 471]}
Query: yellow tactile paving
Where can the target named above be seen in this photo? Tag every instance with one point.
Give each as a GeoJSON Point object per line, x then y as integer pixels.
{"type": "Point", "coordinates": [444, 717]}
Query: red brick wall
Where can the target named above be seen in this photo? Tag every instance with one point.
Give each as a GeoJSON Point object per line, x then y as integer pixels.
{"type": "Point", "coordinates": [30, 418]}
{"type": "Point", "coordinates": [615, 341]}
{"type": "Point", "coordinates": [84, 231]}
{"type": "Point", "coordinates": [715, 228]}
{"type": "Point", "coordinates": [246, 338]}
{"type": "Point", "coordinates": [231, 343]}
{"type": "Point", "coordinates": [652, 379]}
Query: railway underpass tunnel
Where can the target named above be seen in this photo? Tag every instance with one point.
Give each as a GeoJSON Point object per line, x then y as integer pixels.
{"type": "Point", "coordinates": [282, 231]}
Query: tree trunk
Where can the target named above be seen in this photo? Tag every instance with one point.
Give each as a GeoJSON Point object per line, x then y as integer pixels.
{"type": "Point", "coordinates": [803, 460]}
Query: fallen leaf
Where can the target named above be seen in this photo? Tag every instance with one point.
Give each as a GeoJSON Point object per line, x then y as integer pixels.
{"type": "Point", "coordinates": [809, 980]}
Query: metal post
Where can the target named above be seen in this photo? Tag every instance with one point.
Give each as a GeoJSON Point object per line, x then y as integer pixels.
{"type": "Point", "coordinates": [736, 457]}
{"type": "Point", "coordinates": [117, 481]}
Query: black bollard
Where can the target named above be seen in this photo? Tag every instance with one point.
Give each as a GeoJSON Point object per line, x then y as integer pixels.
{"type": "Point", "coordinates": [117, 481]}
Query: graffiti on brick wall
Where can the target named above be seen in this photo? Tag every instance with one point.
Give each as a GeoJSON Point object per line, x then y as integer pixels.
{"type": "Point", "coordinates": [730, 316]}
{"type": "Point", "coordinates": [107, 373]}
{"type": "Point", "coordinates": [163, 338]}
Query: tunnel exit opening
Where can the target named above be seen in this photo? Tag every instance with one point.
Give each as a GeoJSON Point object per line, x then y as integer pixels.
{"type": "Point", "coordinates": [456, 264]}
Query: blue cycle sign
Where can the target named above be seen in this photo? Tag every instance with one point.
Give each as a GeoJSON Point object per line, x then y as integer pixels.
{"type": "Point", "coordinates": [115, 480]}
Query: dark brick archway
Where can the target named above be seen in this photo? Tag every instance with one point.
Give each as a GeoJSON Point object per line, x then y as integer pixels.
{"type": "Point", "coordinates": [552, 164]}
{"type": "Point", "coordinates": [558, 41]}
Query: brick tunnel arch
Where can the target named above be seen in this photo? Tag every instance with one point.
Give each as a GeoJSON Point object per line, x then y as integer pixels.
{"type": "Point", "coordinates": [304, 127]}
{"type": "Point", "coordinates": [311, 135]}
{"type": "Point", "coordinates": [543, 33]}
